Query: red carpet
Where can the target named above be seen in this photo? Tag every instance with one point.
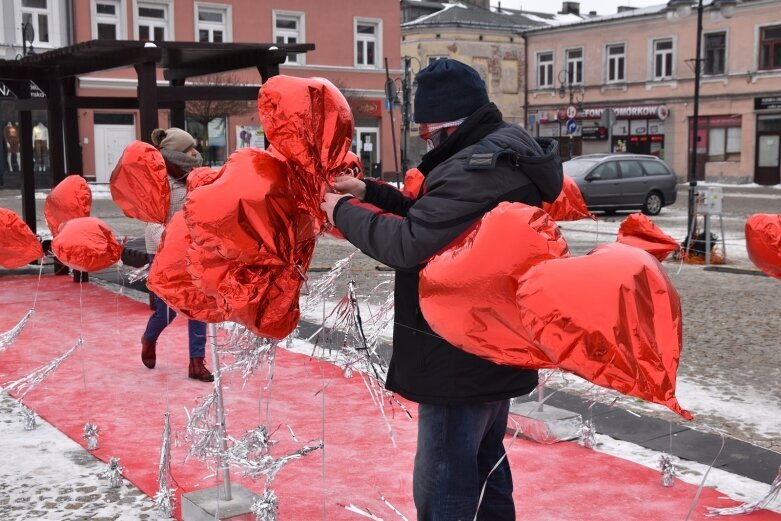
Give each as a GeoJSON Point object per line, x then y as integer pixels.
{"type": "Point", "coordinates": [104, 382]}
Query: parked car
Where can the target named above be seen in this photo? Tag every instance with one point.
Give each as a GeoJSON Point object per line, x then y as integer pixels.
{"type": "Point", "coordinates": [611, 182]}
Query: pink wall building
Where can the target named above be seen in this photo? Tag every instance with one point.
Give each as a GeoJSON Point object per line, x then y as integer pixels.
{"type": "Point", "coordinates": [640, 64]}
{"type": "Point", "coordinates": [351, 45]}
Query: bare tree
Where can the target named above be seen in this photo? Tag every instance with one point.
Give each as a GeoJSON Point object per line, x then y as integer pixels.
{"type": "Point", "coordinates": [203, 111]}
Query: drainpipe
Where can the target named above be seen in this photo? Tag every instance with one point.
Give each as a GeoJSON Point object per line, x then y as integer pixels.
{"type": "Point", "coordinates": [526, 83]}
{"type": "Point", "coordinates": [70, 17]}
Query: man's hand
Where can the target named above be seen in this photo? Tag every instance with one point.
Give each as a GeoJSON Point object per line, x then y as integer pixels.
{"type": "Point", "coordinates": [328, 204]}
{"type": "Point", "coordinates": [346, 184]}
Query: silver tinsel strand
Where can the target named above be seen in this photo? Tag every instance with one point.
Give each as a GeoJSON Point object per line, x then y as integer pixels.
{"type": "Point", "coordinates": [113, 473]}
{"type": "Point", "coordinates": [667, 470]}
{"type": "Point", "coordinates": [29, 382]}
{"type": "Point", "coordinates": [138, 274]}
{"type": "Point", "coordinates": [202, 431]}
{"type": "Point", "coordinates": [266, 506]}
{"type": "Point", "coordinates": [747, 508]}
{"type": "Point", "coordinates": [7, 338]}
{"type": "Point", "coordinates": [323, 288]}
{"type": "Point", "coordinates": [587, 435]}
{"type": "Point", "coordinates": [248, 350]}
{"type": "Point", "coordinates": [28, 417]}
{"type": "Point", "coordinates": [91, 435]}
{"type": "Point", "coordinates": [164, 498]}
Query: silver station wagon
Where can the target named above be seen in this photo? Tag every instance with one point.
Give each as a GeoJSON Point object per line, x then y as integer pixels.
{"type": "Point", "coordinates": [611, 182]}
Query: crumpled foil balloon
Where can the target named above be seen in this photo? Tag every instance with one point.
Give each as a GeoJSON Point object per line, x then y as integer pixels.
{"type": "Point", "coordinates": [667, 470]}
{"type": "Point", "coordinates": [86, 244]}
{"type": "Point", "coordinates": [18, 245]}
{"type": "Point", "coordinates": [266, 506]}
{"type": "Point", "coordinates": [113, 473]}
{"type": "Point", "coordinates": [639, 231]}
{"type": "Point", "coordinates": [468, 292]}
{"type": "Point", "coordinates": [763, 242]}
{"type": "Point", "coordinates": [587, 436]}
{"type": "Point", "coordinates": [91, 435]}
{"type": "Point", "coordinates": [28, 417]}
{"type": "Point", "coordinates": [139, 183]}
{"type": "Point", "coordinates": [169, 279]}
{"type": "Point", "coordinates": [201, 176]}
{"type": "Point", "coordinates": [569, 205]}
{"type": "Point", "coordinates": [612, 317]}
{"type": "Point", "coordinates": [413, 182]}
{"type": "Point", "coordinates": [351, 166]}
{"type": "Point", "coordinates": [70, 199]}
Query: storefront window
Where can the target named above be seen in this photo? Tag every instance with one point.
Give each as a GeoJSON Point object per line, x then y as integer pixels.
{"type": "Point", "coordinates": [211, 139]}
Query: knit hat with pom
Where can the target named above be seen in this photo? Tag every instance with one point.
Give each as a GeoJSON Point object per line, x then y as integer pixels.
{"type": "Point", "coordinates": [172, 139]}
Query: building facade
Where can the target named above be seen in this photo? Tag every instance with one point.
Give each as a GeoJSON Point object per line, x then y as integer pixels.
{"type": "Point", "coordinates": [639, 65]}
{"type": "Point", "coordinates": [352, 43]}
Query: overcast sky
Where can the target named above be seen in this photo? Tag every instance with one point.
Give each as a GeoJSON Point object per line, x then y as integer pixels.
{"type": "Point", "coordinates": [553, 6]}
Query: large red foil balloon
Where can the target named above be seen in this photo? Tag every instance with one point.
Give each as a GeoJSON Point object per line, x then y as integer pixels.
{"type": "Point", "coordinates": [139, 183]}
{"type": "Point", "coordinates": [70, 199]}
{"type": "Point", "coordinates": [569, 205]}
{"type": "Point", "coordinates": [201, 176]}
{"type": "Point", "coordinates": [639, 231]}
{"type": "Point", "coordinates": [170, 280]}
{"type": "Point", "coordinates": [351, 166]}
{"type": "Point", "coordinates": [468, 292]}
{"type": "Point", "coordinates": [18, 245]}
{"type": "Point", "coordinates": [763, 242]}
{"type": "Point", "coordinates": [86, 244]}
{"type": "Point", "coordinates": [413, 182]}
{"type": "Point", "coordinates": [612, 317]}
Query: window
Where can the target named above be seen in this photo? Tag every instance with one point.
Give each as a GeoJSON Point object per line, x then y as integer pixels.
{"type": "Point", "coordinates": [367, 42]}
{"type": "Point", "coordinates": [616, 63]}
{"type": "Point", "coordinates": [545, 70]}
{"type": "Point", "coordinates": [153, 22]}
{"type": "Point", "coordinates": [630, 169]}
{"type": "Point", "coordinates": [574, 60]}
{"type": "Point", "coordinates": [655, 168]}
{"type": "Point", "coordinates": [770, 48]}
{"type": "Point", "coordinates": [606, 171]}
{"type": "Point", "coordinates": [724, 144]}
{"type": "Point", "coordinates": [106, 20]}
{"type": "Point", "coordinates": [36, 13]}
{"type": "Point", "coordinates": [212, 24]}
{"type": "Point", "coordinates": [715, 52]}
{"type": "Point", "coordinates": [663, 59]}
{"type": "Point", "coordinates": [289, 29]}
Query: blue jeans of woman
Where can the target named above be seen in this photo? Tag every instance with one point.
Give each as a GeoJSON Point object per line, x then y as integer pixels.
{"type": "Point", "coordinates": [163, 315]}
{"type": "Point", "coordinates": [458, 446]}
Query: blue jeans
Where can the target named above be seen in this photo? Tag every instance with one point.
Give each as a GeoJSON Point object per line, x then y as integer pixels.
{"type": "Point", "coordinates": [163, 315]}
{"type": "Point", "coordinates": [458, 445]}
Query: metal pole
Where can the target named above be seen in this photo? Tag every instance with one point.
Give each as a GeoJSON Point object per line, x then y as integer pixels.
{"type": "Point", "coordinates": [405, 91]}
{"type": "Point", "coordinates": [695, 123]}
{"type": "Point", "coordinates": [393, 132]}
{"type": "Point", "coordinates": [211, 335]}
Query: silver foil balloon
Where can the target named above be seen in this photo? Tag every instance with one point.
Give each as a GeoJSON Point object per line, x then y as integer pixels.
{"type": "Point", "coordinates": [266, 506]}
{"type": "Point", "coordinates": [7, 338]}
{"type": "Point", "coordinates": [667, 469]}
{"type": "Point", "coordinates": [28, 417]}
{"type": "Point", "coordinates": [113, 473]}
{"type": "Point", "coordinates": [91, 435]}
{"type": "Point", "coordinates": [164, 498]}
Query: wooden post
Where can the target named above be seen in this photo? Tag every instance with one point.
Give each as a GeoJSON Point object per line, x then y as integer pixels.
{"type": "Point", "coordinates": [147, 98]}
{"type": "Point", "coordinates": [28, 173]}
{"type": "Point", "coordinates": [73, 161]}
{"type": "Point", "coordinates": [177, 109]}
{"type": "Point", "coordinates": [54, 104]}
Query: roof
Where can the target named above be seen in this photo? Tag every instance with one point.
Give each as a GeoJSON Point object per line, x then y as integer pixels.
{"type": "Point", "coordinates": [179, 59]}
{"type": "Point", "coordinates": [458, 14]}
{"type": "Point", "coordinates": [653, 10]}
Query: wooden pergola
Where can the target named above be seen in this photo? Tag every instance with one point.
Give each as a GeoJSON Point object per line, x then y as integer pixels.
{"type": "Point", "coordinates": [56, 71]}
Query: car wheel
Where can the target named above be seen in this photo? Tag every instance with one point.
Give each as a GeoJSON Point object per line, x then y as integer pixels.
{"type": "Point", "coordinates": [653, 203]}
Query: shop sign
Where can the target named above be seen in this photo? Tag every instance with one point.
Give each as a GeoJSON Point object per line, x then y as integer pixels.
{"type": "Point", "coordinates": [594, 133]}
{"type": "Point", "coordinates": [767, 103]}
{"type": "Point", "coordinates": [629, 112]}
{"type": "Point", "coordinates": [366, 108]}
{"type": "Point", "coordinates": [5, 92]}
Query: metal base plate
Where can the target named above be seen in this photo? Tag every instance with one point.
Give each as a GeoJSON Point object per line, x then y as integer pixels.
{"type": "Point", "coordinates": [208, 504]}
{"type": "Point", "coordinates": [551, 425]}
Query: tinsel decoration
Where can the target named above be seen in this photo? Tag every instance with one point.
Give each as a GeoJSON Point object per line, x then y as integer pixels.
{"type": "Point", "coordinates": [266, 506]}
{"type": "Point", "coordinates": [7, 338]}
{"type": "Point", "coordinates": [361, 512]}
{"type": "Point", "coordinates": [28, 417]}
{"type": "Point", "coordinates": [395, 510]}
{"type": "Point", "coordinates": [252, 454]}
{"type": "Point", "coordinates": [324, 287]}
{"type": "Point", "coordinates": [91, 435]}
{"type": "Point", "coordinates": [587, 434]}
{"type": "Point", "coordinates": [29, 382]}
{"type": "Point", "coordinates": [249, 351]}
{"type": "Point", "coordinates": [747, 508]}
{"type": "Point", "coordinates": [138, 274]}
{"type": "Point", "coordinates": [667, 469]}
{"type": "Point", "coordinates": [113, 473]}
{"type": "Point", "coordinates": [202, 431]}
{"type": "Point", "coordinates": [164, 498]}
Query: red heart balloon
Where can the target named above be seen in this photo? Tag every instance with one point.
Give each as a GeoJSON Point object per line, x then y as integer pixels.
{"type": "Point", "coordinates": [413, 182]}
{"type": "Point", "coordinates": [139, 183]}
{"type": "Point", "coordinates": [569, 205]}
{"type": "Point", "coordinates": [71, 198]}
{"type": "Point", "coordinates": [612, 317]}
{"type": "Point", "coordinates": [763, 242]}
{"type": "Point", "coordinates": [201, 176]}
{"type": "Point", "coordinates": [641, 232]}
{"type": "Point", "coordinates": [86, 244]}
{"type": "Point", "coordinates": [468, 292]}
{"type": "Point", "coordinates": [18, 245]}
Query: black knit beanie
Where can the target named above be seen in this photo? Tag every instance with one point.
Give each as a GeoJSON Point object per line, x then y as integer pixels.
{"type": "Point", "coordinates": [448, 90]}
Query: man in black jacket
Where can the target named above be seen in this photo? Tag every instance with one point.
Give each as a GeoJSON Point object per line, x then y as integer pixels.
{"type": "Point", "coordinates": [475, 161]}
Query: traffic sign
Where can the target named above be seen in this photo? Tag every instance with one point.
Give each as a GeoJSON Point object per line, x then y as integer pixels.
{"type": "Point", "coordinates": [572, 126]}
{"type": "Point", "coordinates": [572, 111]}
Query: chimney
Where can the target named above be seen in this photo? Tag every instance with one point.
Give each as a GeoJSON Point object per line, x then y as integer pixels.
{"type": "Point", "coordinates": [592, 14]}
{"type": "Point", "coordinates": [625, 8]}
{"type": "Point", "coordinates": [570, 8]}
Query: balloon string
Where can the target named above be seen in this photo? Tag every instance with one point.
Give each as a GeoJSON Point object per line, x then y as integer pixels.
{"type": "Point", "coordinates": [705, 477]}
{"type": "Point", "coordinates": [496, 466]}
{"type": "Point", "coordinates": [38, 285]}
{"type": "Point", "coordinates": [83, 350]}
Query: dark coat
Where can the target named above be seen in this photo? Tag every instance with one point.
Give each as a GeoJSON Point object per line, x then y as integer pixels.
{"type": "Point", "coordinates": [507, 164]}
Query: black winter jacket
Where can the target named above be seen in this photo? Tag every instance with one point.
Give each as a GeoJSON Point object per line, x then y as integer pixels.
{"type": "Point", "coordinates": [504, 164]}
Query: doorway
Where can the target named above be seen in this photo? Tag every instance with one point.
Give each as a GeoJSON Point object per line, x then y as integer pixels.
{"type": "Point", "coordinates": [767, 171]}
{"type": "Point", "coordinates": [367, 147]}
{"type": "Point", "coordinates": [113, 132]}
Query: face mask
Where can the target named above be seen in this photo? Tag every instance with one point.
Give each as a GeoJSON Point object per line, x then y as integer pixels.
{"type": "Point", "coordinates": [435, 140]}
{"type": "Point", "coordinates": [198, 158]}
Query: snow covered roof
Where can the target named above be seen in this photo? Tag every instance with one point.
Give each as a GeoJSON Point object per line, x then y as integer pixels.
{"type": "Point", "coordinates": [570, 20]}
{"type": "Point", "coordinates": [466, 15]}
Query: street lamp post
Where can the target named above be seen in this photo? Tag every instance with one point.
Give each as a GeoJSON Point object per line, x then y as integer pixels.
{"type": "Point", "coordinates": [681, 9]}
{"type": "Point", "coordinates": [576, 94]}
